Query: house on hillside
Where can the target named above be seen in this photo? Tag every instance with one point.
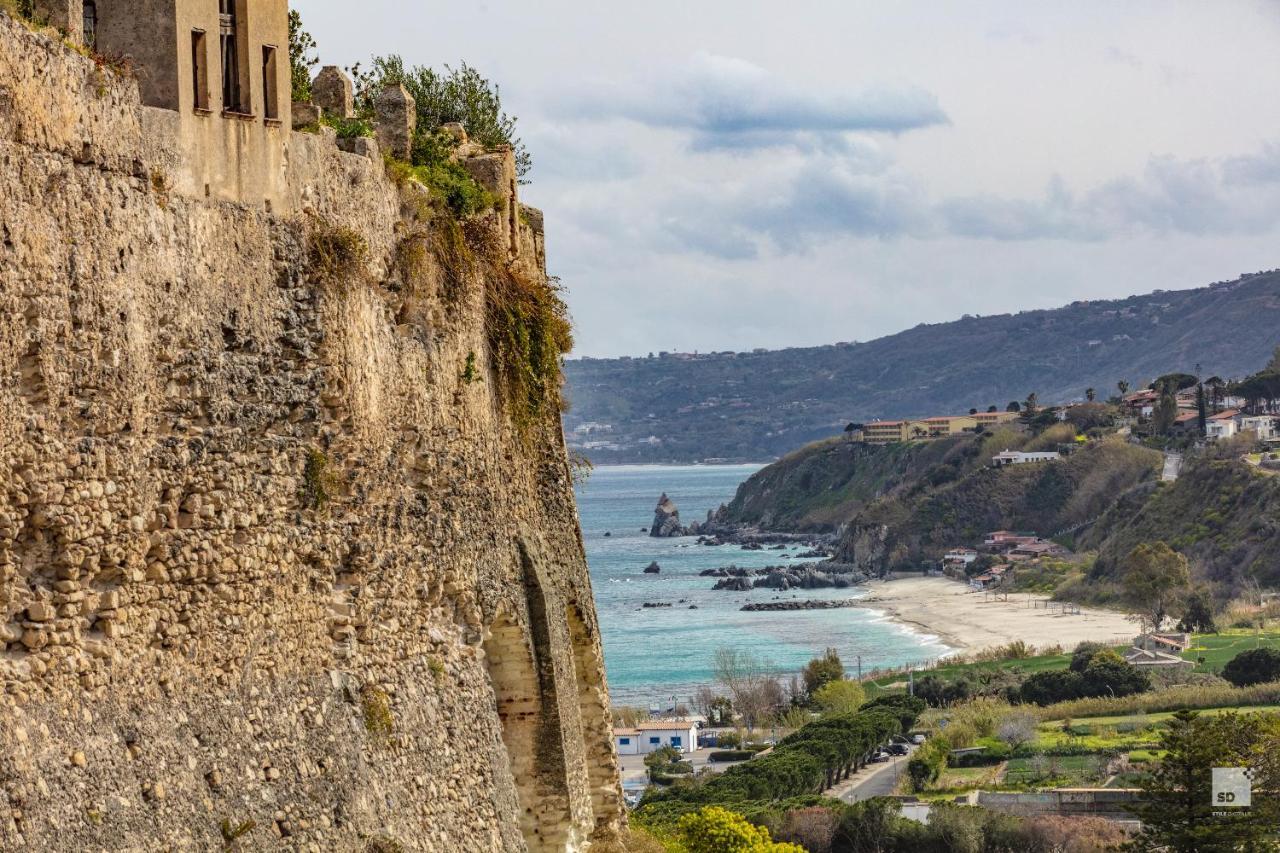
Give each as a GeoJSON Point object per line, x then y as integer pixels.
{"type": "Point", "coordinates": [959, 557]}
{"type": "Point", "coordinates": [944, 426]}
{"type": "Point", "coordinates": [1223, 425]}
{"type": "Point", "coordinates": [1264, 426]}
{"type": "Point", "coordinates": [1033, 550]}
{"type": "Point", "coordinates": [894, 432]}
{"type": "Point", "coordinates": [1142, 403]}
{"type": "Point", "coordinates": [1186, 423]}
{"type": "Point", "coordinates": [652, 735]}
{"type": "Point", "coordinates": [1003, 540]}
{"type": "Point", "coordinates": [990, 419]}
{"type": "Point", "coordinates": [1017, 457]}
{"type": "Point", "coordinates": [990, 579]}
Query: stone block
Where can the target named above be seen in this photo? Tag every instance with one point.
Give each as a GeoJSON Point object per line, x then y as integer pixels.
{"type": "Point", "coordinates": [305, 115]}
{"type": "Point", "coordinates": [332, 92]}
{"type": "Point", "coordinates": [396, 116]}
{"type": "Point", "coordinates": [66, 15]}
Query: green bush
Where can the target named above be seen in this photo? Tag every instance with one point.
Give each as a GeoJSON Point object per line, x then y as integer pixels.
{"type": "Point", "coordinates": [459, 95]}
{"type": "Point", "coordinates": [1253, 666]}
{"type": "Point", "coordinates": [348, 128]}
{"type": "Point", "coordinates": [731, 755]}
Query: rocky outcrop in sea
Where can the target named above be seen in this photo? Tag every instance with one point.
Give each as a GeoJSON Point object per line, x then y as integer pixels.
{"type": "Point", "coordinates": [801, 576]}
{"type": "Point", "coordinates": [799, 605]}
{"type": "Point", "coordinates": [666, 519]}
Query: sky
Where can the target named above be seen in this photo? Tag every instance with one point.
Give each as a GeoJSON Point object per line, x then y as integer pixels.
{"type": "Point", "coordinates": [731, 175]}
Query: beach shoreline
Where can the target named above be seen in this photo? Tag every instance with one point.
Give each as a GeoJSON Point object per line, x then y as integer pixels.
{"type": "Point", "coordinates": [968, 621]}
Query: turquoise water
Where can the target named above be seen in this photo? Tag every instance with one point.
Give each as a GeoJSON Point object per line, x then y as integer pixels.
{"type": "Point", "coordinates": [654, 654]}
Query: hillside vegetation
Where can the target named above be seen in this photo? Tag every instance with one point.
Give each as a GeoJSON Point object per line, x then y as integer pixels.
{"type": "Point", "coordinates": [824, 484]}
{"type": "Point", "coordinates": [1051, 499]}
{"type": "Point", "coordinates": [759, 406]}
{"type": "Point", "coordinates": [936, 495]}
{"type": "Point", "coordinates": [1222, 515]}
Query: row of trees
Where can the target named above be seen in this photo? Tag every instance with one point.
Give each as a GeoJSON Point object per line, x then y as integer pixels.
{"type": "Point", "coordinates": [808, 761]}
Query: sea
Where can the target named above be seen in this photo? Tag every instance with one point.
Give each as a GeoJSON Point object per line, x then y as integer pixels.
{"type": "Point", "coordinates": [656, 657]}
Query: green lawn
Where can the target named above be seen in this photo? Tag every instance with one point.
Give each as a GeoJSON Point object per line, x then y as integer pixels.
{"type": "Point", "coordinates": [949, 671]}
{"type": "Point", "coordinates": [1061, 770]}
{"type": "Point", "coordinates": [1218, 649]}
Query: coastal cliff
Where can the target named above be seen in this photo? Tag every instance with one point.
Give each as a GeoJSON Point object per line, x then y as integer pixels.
{"type": "Point", "coordinates": [289, 556]}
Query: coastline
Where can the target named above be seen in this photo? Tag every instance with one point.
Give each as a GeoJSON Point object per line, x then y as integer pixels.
{"type": "Point", "coordinates": [968, 622]}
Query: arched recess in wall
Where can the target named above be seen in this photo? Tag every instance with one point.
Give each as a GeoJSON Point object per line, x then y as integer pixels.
{"type": "Point", "coordinates": [522, 672]}
{"type": "Point", "coordinates": [595, 717]}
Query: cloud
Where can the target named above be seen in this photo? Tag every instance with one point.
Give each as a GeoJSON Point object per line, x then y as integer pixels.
{"type": "Point", "coordinates": [1260, 168]}
{"type": "Point", "coordinates": [724, 103]}
{"type": "Point", "coordinates": [827, 198]}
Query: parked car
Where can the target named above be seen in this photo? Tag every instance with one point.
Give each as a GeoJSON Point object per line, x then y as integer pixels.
{"type": "Point", "coordinates": [879, 757]}
{"type": "Point", "coordinates": [917, 739]}
{"type": "Point", "coordinates": [898, 749]}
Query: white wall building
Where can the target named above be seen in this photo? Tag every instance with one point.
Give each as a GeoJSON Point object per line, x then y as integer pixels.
{"type": "Point", "coordinates": [1222, 428]}
{"type": "Point", "coordinates": [647, 737]}
{"type": "Point", "coordinates": [1014, 457]}
{"type": "Point", "coordinates": [1263, 425]}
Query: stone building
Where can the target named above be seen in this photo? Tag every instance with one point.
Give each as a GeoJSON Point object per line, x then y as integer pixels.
{"type": "Point", "coordinates": [279, 568]}
{"type": "Point", "coordinates": [216, 75]}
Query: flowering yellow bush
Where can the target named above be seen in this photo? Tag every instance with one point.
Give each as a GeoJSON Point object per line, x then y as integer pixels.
{"type": "Point", "coordinates": [717, 830]}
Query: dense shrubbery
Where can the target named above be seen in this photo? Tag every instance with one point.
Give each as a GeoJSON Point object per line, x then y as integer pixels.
{"type": "Point", "coordinates": [805, 762]}
{"type": "Point", "coordinates": [1253, 666]}
{"type": "Point", "coordinates": [459, 95]}
{"type": "Point", "coordinates": [1093, 672]}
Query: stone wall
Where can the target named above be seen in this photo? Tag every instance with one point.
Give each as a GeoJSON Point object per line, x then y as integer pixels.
{"type": "Point", "coordinates": [276, 570]}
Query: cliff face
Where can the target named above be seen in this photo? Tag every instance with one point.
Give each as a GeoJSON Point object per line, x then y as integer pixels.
{"type": "Point", "coordinates": [276, 567]}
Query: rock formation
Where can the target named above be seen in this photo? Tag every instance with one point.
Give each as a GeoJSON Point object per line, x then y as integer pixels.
{"type": "Point", "coordinates": [273, 569]}
{"type": "Point", "coordinates": [666, 519]}
{"type": "Point", "coordinates": [653, 568]}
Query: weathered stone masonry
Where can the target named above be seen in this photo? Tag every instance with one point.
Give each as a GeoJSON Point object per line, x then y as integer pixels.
{"type": "Point", "coordinates": [273, 572]}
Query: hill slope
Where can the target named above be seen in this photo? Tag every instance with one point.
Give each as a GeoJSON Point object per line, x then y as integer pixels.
{"type": "Point", "coordinates": [757, 406]}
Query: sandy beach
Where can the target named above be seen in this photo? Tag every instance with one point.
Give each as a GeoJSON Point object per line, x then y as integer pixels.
{"type": "Point", "coordinates": [968, 621]}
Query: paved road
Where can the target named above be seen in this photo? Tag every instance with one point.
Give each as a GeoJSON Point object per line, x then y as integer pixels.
{"type": "Point", "coordinates": [874, 780]}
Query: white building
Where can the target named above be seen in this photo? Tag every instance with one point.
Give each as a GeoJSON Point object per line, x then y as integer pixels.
{"type": "Point", "coordinates": [649, 736]}
{"type": "Point", "coordinates": [1014, 457]}
{"type": "Point", "coordinates": [1264, 426]}
{"type": "Point", "coordinates": [964, 556]}
{"type": "Point", "coordinates": [1221, 428]}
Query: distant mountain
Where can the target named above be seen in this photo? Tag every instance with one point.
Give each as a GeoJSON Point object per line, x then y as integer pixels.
{"type": "Point", "coordinates": [757, 406]}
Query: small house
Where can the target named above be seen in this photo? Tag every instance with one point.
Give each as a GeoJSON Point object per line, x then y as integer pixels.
{"type": "Point", "coordinates": [1032, 550]}
{"type": "Point", "coordinates": [1013, 457]}
{"type": "Point", "coordinates": [652, 735]}
{"type": "Point", "coordinates": [1223, 425]}
{"type": "Point", "coordinates": [1264, 426]}
{"type": "Point", "coordinates": [1155, 659]}
{"type": "Point", "coordinates": [1163, 641]}
{"type": "Point", "coordinates": [960, 557]}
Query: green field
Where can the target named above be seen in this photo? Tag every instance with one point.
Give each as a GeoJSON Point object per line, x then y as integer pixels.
{"type": "Point", "coordinates": [1038, 663]}
{"type": "Point", "coordinates": [1218, 649]}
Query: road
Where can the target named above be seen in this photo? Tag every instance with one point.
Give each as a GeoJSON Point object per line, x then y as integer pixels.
{"type": "Point", "coordinates": [874, 780]}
